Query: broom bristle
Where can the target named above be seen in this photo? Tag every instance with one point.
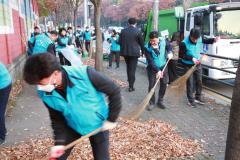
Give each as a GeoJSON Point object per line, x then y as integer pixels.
{"type": "Point", "coordinates": [136, 114]}
{"type": "Point", "coordinates": [177, 88]}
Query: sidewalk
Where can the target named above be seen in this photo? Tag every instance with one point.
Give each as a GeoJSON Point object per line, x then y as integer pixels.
{"type": "Point", "coordinates": [207, 124]}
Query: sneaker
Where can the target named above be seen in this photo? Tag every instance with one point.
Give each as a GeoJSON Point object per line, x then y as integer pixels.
{"type": "Point", "coordinates": [161, 105]}
{"type": "Point", "coordinates": [109, 67]}
{"type": "Point", "coordinates": [199, 101]}
{"type": "Point", "coordinates": [131, 89]}
{"type": "Point", "coordinates": [192, 104]}
{"type": "Point", "coordinates": [150, 107]}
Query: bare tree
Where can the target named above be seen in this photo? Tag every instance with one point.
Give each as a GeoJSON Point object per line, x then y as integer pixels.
{"type": "Point", "coordinates": [233, 138]}
{"type": "Point", "coordinates": [187, 4]}
{"type": "Point", "coordinates": [74, 5]}
{"type": "Point", "coordinates": [99, 48]}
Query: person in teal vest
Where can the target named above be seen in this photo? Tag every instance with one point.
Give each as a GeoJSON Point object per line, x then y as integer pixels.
{"type": "Point", "coordinates": [87, 36]}
{"type": "Point", "coordinates": [45, 43]}
{"type": "Point", "coordinates": [70, 36]}
{"type": "Point", "coordinates": [157, 51]}
{"type": "Point", "coordinates": [5, 88]}
{"type": "Point", "coordinates": [31, 43]}
{"type": "Point", "coordinates": [79, 38]}
{"type": "Point", "coordinates": [114, 50]}
{"type": "Point", "coordinates": [63, 40]}
{"type": "Point", "coordinates": [190, 50]}
{"type": "Point", "coordinates": [75, 98]}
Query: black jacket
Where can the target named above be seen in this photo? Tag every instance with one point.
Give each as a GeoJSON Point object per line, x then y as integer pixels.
{"type": "Point", "coordinates": [131, 41]}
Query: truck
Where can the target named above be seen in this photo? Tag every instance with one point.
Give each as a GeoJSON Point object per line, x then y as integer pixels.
{"type": "Point", "coordinates": [219, 21]}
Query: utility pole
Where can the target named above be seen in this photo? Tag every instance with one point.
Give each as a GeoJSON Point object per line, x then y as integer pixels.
{"type": "Point", "coordinates": [85, 13]}
{"type": "Point", "coordinates": [155, 15]}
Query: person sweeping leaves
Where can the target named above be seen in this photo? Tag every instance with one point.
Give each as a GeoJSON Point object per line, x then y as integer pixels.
{"type": "Point", "coordinates": [75, 99]}
{"type": "Point", "coordinates": [157, 51]}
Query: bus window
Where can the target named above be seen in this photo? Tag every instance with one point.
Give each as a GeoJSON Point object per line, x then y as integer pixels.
{"type": "Point", "coordinates": [227, 24]}
{"type": "Point", "coordinates": [206, 24]}
{"type": "Point", "coordinates": [188, 21]}
{"type": "Point", "coordinates": [202, 21]}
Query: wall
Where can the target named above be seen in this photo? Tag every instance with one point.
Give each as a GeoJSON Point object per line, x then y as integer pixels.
{"type": "Point", "coordinates": [17, 19]}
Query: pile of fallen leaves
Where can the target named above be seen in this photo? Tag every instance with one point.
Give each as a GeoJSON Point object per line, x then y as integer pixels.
{"type": "Point", "coordinates": [130, 140]}
{"type": "Point", "coordinates": [120, 83]}
{"type": "Point", "coordinates": [15, 91]}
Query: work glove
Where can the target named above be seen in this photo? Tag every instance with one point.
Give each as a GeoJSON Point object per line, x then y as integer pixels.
{"type": "Point", "coordinates": [107, 125]}
{"type": "Point", "coordinates": [56, 151]}
{"type": "Point", "coordinates": [170, 56]}
{"type": "Point", "coordinates": [195, 61]}
{"type": "Point", "coordinates": [159, 74]}
{"type": "Point", "coordinates": [204, 57]}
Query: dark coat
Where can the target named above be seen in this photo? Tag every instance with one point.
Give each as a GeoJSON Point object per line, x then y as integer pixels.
{"type": "Point", "coordinates": [131, 41]}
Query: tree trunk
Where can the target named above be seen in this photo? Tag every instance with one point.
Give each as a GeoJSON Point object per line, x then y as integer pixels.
{"type": "Point", "coordinates": [99, 48]}
{"type": "Point", "coordinates": [75, 17]}
{"type": "Point", "coordinates": [233, 137]}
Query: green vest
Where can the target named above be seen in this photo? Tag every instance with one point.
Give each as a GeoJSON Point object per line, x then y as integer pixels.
{"type": "Point", "coordinates": [85, 108]}
{"type": "Point", "coordinates": [42, 42]}
{"type": "Point", "coordinates": [159, 60]}
{"type": "Point", "coordinates": [64, 40]}
{"type": "Point", "coordinates": [87, 36]}
{"type": "Point", "coordinates": [5, 78]}
{"type": "Point", "coordinates": [114, 45]}
{"type": "Point", "coordinates": [193, 50]}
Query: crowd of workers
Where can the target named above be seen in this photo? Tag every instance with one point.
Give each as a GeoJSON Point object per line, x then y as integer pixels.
{"type": "Point", "coordinates": [75, 94]}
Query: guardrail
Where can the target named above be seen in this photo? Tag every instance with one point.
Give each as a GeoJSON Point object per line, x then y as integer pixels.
{"type": "Point", "coordinates": [235, 61]}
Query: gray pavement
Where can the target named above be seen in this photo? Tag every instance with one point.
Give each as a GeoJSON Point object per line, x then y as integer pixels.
{"type": "Point", "coordinates": [207, 124]}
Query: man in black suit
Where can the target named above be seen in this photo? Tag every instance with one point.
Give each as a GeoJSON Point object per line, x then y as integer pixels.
{"type": "Point", "coordinates": [131, 42]}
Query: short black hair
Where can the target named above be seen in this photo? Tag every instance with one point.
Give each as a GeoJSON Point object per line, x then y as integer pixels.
{"type": "Point", "coordinates": [195, 33]}
{"type": "Point", "coordinates": [132, 21]}
{"type": "Point", "coordinates": [69, 28]}
{"type": "Point", "coordinates": [54, 32]}
{"type": "Point", "coordinates": [62, 29]}
{"type": "Point", "coordinates": [175, 36]}
{"type": "Point", "coordinates": [153, 34]}
{"type": "Point", "coordinates": [114, 32]}
{"type": "Point", "coordinates": [36, 27]}
{"type": "Point", "coordinates": [40, 66]}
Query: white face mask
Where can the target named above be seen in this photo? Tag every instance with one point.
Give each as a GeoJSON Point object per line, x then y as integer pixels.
{"type": "Point", "coordinates": [47, 88]}
{"type": "Point", "coordinates": [155, 46]}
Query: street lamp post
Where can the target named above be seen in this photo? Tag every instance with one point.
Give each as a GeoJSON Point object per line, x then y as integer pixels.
{"type": "Point", "coordinates": [155, 15]}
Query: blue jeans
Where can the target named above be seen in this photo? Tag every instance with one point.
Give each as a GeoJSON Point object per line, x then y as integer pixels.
{"type": "Point", "coordinates": [4, 95]}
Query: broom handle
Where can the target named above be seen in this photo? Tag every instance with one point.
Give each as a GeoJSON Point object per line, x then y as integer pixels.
{"type": "Point", "coordinates": [72, 144]}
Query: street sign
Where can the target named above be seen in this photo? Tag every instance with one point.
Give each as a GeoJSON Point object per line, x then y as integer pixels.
{"type": "Point", "coordinates": [179, 12]}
